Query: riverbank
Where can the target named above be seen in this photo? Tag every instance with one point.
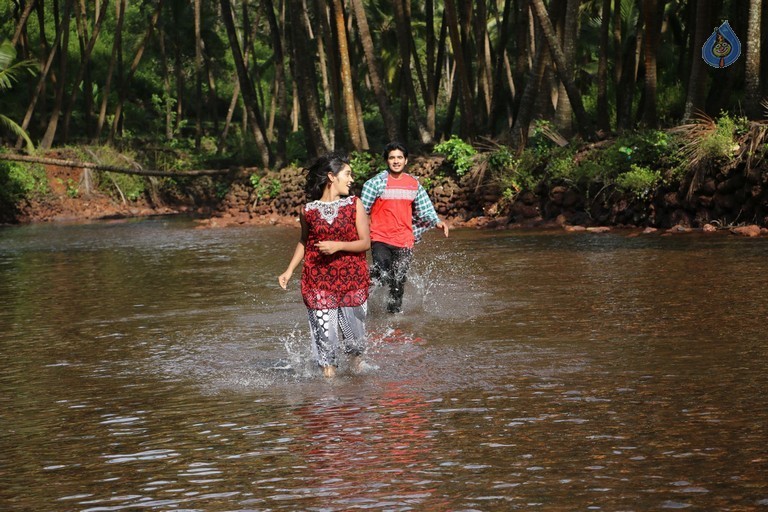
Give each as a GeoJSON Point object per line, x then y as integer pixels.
{"type": "Point", "coordinates": [251, 196]}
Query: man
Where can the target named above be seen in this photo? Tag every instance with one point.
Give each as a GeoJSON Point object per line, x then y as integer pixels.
{"type": "Point", "coordinates": [400, 212]}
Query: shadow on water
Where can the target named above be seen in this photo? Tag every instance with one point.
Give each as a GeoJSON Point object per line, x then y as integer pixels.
{"type": "Point", "coordinates": [150, 365]}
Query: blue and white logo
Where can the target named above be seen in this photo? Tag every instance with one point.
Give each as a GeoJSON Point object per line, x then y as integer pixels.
{"type": "Point", "coordinates": [722, 48]}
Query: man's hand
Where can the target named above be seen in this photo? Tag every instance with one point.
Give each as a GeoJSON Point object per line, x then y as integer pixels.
{"type": "Point", "coordinates": [444, 226]}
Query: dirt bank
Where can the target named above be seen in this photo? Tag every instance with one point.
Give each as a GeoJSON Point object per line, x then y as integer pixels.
{"type": "Point", "coordinates": [234, 200]}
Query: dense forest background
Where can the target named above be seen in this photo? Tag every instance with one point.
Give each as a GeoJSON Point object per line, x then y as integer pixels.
{"type": "Point", "coordinates": [272, 82]}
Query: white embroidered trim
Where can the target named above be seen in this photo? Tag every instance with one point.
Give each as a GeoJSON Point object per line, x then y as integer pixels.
{"type": "Point", "coordinates": [329, 211]}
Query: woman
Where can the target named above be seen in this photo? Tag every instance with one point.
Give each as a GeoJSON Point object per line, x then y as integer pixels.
{"type": "Point", "coordinates": [335, 279]}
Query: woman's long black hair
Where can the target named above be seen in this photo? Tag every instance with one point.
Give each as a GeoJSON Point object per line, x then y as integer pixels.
{"type": "Point", "coordinates": [317, 173]}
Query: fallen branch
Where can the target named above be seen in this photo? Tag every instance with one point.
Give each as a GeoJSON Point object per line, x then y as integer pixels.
{"type": "Point", "coordinates": [110, 168]}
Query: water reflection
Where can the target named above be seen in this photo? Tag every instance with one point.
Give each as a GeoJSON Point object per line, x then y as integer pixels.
{"type": "Point", "coordinates": [150, 365]}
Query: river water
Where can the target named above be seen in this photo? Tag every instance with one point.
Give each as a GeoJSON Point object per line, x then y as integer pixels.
{"type": "Point", "coordinates": [149, 365]}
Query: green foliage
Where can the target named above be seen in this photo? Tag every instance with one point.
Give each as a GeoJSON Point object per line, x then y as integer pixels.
{"type": "Point", "coordinates": [72, 189]}
{"type": "Point", "coordinates": [513, 174]}
{"type": "Point", "coordinates": [9, 73]}
{"type": "Point", "coordinates": [720, 144]}
{"type": "Point", "coordinates": [19, 181]}
{"type": "Point", "coordinates": [639, 181]}
{"type": "Point", "coordinates": [458, 153]}
{"type": "Point", "coordinates": [364, 165]}
{"type": "Point", "coordinates": [265, 187]}
{"type": "Point", "coordinates": [128, 186]}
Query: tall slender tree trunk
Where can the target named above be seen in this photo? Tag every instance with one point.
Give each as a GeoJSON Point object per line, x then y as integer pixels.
{"type": "Point", "coordinates": [83, 75]}
{"type": "Point", "coordinates": [281, 85]}
{"type": "Point", "coordinates": [519, 135]}
{"type": "Point", "coordinates": [499, 94]}
{"type": "Point", "coordinates": [752, 93]}
{"type": "Point", "coordinates": [167, 106]}
{"type": "Point", "coordinates": [198, 74]}
{"type": "Point", "coordinates": [562, 69]}
{"type": "Point", "coordinates": [306, 80]}
{"type": "Point", "coordinates": [348, 91]}
{"type": "Point", "coordinates": [22, 23]}
{"type": "Point", "coordinates": [650, 44]}
{"type": "Point", "coordinates": [332, 78]}
{"type": "Point", "coordinates": [564, 110]}
{"type": "Point", "coordinates": [47, 141]}
{"type": "Point", "coordinates": [430, 99]}
{"type": "Point", "coordinates": [603, 117]}
{"type": "Point", "coordinates": [374, 70]}
{"type": "Point", "coordinates": [465, 96]}
{"type": "Point", "coordinates": [116, 51]}
{"type": "Point", "coordinates": [246, 86]}
{"type": "Point", "coordinates": [402, 25]}
{"type": "Point", "coordinates": [696, 96]}
{"type": "Point", "coordinates": [483, 67]}
{"type": "Point", "coordinates": [123, 90]}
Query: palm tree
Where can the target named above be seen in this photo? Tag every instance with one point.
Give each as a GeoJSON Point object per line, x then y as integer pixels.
{"type": "Point", "coordinates": [752, 60]}
{"type": "Point", "coordinates": [8, 75]}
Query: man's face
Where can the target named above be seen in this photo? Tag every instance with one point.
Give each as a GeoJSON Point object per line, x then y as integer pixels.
{"type": "Point", "coordinates": [396, 161]}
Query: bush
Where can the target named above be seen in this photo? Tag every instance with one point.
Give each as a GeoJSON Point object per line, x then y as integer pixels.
{"type": "Point", "coordinates": [19, 181]}
{"type": "Point", "coordinates": [638, 181]}
{"type": "Point", "coordinates": [364, 165]}
{"type": "Point", "coordinates": [458, 153]}
{"type": "Point", "coordinates": [513, 174]}
{"type": "Point", "coordinates": [264, 187]}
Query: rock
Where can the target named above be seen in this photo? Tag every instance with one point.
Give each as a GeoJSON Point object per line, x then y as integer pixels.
{"type": "Point", "coordinates": [598, 229]}
{"type": "Point", "coordinates": [748, 231]}
{"type": "Point", "coordinates": [708, 228]}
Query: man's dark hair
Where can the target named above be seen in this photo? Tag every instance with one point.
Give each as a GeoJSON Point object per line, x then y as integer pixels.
{"type": "Point", "coordinates": [392, 146]}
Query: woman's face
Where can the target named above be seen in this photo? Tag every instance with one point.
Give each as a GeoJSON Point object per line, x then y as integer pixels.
{"type": "Point", "coordinates": [343, 180]}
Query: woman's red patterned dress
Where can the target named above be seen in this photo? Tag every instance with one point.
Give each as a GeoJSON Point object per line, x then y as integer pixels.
{"type": "Point", "coordinates": [340, 279]}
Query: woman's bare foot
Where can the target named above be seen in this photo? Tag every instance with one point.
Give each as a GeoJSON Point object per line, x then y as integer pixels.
{"type": "Point", "coordinates": [329, 372]}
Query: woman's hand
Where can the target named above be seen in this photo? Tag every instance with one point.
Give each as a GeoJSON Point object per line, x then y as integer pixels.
{"type": "Point", "coordinates": [327, 247]}
{"type": "Point", "coordinates": [283, 279]}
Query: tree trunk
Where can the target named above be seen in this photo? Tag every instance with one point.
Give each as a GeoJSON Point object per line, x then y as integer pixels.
{"type": "Point", "coordinates": [752, 93]}
{"type": "Point", "coordinates": [246, 86]}
{"type": "Point", "coordinates": [562, 69]}
{"type": "Point", "coordinates": [650, 43]}
{"type": "Point", "coordinates": [22, 21]}
{"type": "Point", "coordinates": [83, 75]}
{"type": "Point", "coordinates": [374, 70]}
{"type": "Point", "coordinates": [116, 50]}
{"type": "Point", "coordinates": [111, 168]}
{"type": "Point", "coordinates": [198, 74]}
{"type": "Point", "coordinates": [348, 91]}
{"type": "Point", "coordinates": [123, 90]}
{"type": "Point", "coordinates": [306, 80]}
{"type": "Point", "coordinates": [465, 96]}
{"type": "Point", "coordinates": [564, 110]}
{"type": "Point", "coordinates": [332, 78]}
{"type": "Point", "coordinates": [603, 117]}
{"type": "Point", "coordinates": [281, 85]}
{"type": "Point", "coordinates": [430, 99]}
{"type": "Point", "coordinates": [522, 122]}
{"type": "Point", "coordinates": [483, 68]}
{"type": "Point", "coordinates": [166, 106]}
{"type": "Point", "coordinates": [53, 122]}
{"type": "Point", "coordinates": [402, 25]}
{"type": "Point", "coordinates": [499, 94]}
{"type": "Point", "coordinates": [695, 98]}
